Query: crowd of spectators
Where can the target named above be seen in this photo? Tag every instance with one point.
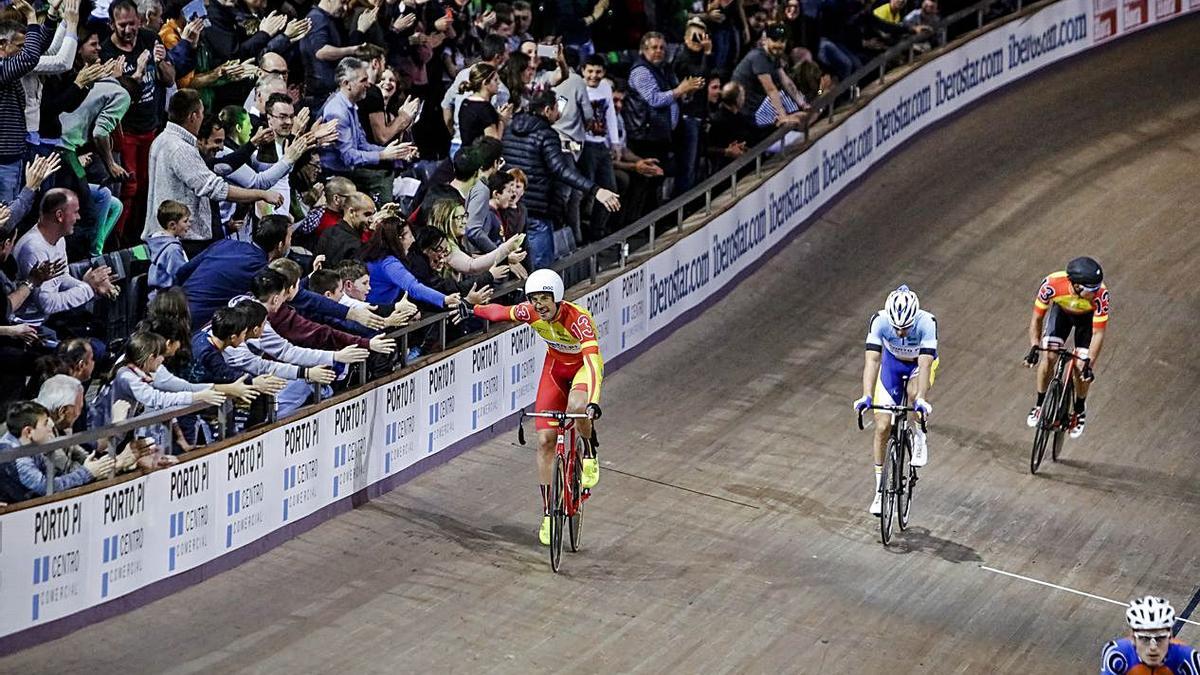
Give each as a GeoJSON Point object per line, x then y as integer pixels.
{"type": "Point", "coordinates": [285, 182]}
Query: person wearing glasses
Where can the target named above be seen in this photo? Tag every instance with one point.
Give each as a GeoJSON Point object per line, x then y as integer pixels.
{"type": "Point", "coordinates": [1072, 298]}
{"type": "Point", "coordinates": [1149, 648]}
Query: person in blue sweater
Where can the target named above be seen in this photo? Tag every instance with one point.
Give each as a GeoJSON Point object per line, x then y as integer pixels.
{"type": "Point", "coordinates": [224, 271]}
{"type": "Point", "coordinates": [166, 250]}
{"type": "Point", "coordinates": [389, 277]}
{"type": "Point", "coordinates": [29, 423]}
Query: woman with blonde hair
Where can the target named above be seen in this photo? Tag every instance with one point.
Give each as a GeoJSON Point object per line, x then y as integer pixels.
{"type": "Point", "coordinates": [450, 218]}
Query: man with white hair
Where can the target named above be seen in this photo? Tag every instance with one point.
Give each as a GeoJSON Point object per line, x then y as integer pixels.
{"type": "Point", "coordinates": [256, 103]}
{"type": "Point", "coordinates": [62, 396]}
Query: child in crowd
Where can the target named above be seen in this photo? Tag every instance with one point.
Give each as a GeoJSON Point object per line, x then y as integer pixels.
{"type": "Point", "coordinates": [166, 250]}
{"type": "Point", "coordinates": [29, 423]}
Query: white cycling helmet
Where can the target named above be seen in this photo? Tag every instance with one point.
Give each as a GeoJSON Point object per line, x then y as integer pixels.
{"type": "Point", "coordinates": [1150, 613]}
{"type": "Point", "coordinates": [901, 308]}
{"type": "Point", "coordinates": [545, 281]}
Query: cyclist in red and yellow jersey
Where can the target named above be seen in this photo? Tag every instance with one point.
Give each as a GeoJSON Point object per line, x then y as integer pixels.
{"type": "Point", "coordinates": [571, 374]}
{"type": "Point", "coordinates": [1073, 298]}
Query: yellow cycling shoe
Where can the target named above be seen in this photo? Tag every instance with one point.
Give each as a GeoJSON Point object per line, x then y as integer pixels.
{"type": "Point", "coordinates": [591, 473]}
{"type": "Point", "coordinates": [544, 533]}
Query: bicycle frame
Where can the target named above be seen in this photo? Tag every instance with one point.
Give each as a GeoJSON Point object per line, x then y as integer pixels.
{"type": "Point", "coordinates": [1064, 371]}
{"type": "Point", "coordinates": [565, 426]}
{"type": "Point", "coordinates": [896, 485]}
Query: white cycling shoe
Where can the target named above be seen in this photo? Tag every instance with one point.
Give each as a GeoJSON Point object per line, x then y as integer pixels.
{"type": "Point", "coordinates": [920, 448]}
{"type": "Point", "coordinates": [877, 504]}
{"type": "Point", "coordinates": [1077, 428]}
{"type": "Point", "coordinates": [1032, 420]}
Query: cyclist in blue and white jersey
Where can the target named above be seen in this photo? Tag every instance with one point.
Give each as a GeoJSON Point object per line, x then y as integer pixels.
{"type": "Point", "coordinates": [901, 344]}
{"type": "Point", "coordinates": [1149, 649]}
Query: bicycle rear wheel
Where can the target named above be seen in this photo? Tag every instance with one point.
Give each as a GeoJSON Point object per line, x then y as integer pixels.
{"type": "Point", "coordinates": [888, 502]}
{"type": "Point", "coordinates": [1046, 420]}
{"type": "Point", "coordinates": [557, 490]}
{"type": "Point", "coordinates": [576, 518]}
{"type": "Point", "coordinates": [1066, 407]}
{"type": "Point", "coordinates": [907, 475]}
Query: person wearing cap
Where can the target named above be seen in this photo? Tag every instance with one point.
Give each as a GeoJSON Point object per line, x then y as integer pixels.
{"type": "Point", "coordinates": [772, 98]}
{"type": "Point", "coordinates": [695, 60]}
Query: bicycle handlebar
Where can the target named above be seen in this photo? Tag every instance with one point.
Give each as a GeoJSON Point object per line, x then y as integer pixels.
{"type": "Point", "coordinates": [560, 415]}
{"type": "Point", "coordinates": [892, 409]}
{"type": "Point", "coordinates": [1063, 351]}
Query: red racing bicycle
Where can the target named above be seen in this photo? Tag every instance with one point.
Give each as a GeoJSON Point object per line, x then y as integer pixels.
{"type": "Point", "coordinates": [566, 495]}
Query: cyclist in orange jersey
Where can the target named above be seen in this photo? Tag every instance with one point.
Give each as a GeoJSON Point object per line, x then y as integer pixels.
{"type": "Point", "coordinates": [1075, 298]}
{"type": "Point", "coordinates": [571, 375]}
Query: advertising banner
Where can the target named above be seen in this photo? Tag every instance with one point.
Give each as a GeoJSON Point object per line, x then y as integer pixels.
{"type": "Point", "coordinates": [63, 557]}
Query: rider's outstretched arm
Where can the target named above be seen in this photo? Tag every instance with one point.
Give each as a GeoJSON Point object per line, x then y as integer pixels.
{"type": "Point", "coordinates": [496, 312]}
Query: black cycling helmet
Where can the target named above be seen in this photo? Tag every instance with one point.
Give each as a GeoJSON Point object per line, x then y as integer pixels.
{"type": "Point", "coordinates": [1085, 271]}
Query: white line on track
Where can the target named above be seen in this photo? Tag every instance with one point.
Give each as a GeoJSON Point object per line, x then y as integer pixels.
{"type": "Point", "coordinates": [1069, 590]}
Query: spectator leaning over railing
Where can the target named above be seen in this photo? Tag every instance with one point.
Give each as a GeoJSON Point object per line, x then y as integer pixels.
{"type": "Point", "coordinates": [20, 49]}
{"type": "Point", "coordinates": [178, 172]}
{"type": "Point", "coordinates": [29, 423]}
{"type": "Point", "coordinates": [226, 269]}
{"type": "Point", "coordinates": [390, 278]}
{"type": "Point", "coordinates": [450, 219]}
{"type": "Point", "coordinates": [305, 333]}
{"type": "Point", "coordinates": [283, 358]}
{"type": "Point", "coordinates": [531, 144]}
{"type": "Point", "coordinates": [58, 305]}
{"type": "Point", "coordinates": [350, 284]}
{"type": "Point", "coordinates": [271, 290]}
{"type": "Point", "coordinates": [142, 384]}
{"type": "Point", "coordinates": [229, 329]}
{"type": "Point", "coordinates": [730, 133]}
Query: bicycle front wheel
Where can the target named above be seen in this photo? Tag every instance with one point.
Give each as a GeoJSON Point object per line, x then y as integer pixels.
{"type": "Point", "coordinates": [557, 493]}
{"type": "Point", "coordinates": [576, 517]}
{"type": "Point", "coordinates": [886, 483]}
{"type": "Point", "coordinates": [1047, 418]}
{"type": "Point", "coordinates": [906, 478]}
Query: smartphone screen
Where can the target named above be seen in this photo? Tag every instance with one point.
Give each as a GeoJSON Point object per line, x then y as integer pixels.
{"type": "Point", "coordinates": [547, 51]}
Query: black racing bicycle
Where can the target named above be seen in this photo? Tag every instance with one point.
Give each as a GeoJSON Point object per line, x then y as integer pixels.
{"type": "Point", "coordinates": [1054, 417]}
{"type": "Point", "coordinates": [899, 475]}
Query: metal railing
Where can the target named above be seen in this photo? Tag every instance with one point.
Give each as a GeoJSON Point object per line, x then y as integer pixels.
{"type": "Point", "coordinates": [673, 214]}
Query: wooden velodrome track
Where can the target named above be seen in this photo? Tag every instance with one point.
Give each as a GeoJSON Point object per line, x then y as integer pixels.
{"type": "Point", "coordinates": [768, 561]}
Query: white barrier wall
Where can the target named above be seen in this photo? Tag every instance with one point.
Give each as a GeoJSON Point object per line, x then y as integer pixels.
{"type": "Point", "coordinates": [58, 559]}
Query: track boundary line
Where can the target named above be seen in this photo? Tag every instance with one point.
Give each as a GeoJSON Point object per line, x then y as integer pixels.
{"type": "Point", "coordinates": [685, 489]}
{"type": "Point", "coordinates": [1085, 594]}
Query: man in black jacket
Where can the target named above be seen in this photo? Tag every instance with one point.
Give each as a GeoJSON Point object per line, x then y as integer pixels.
{"type": "Point", "coordinates": [532, 145]}
{"type": "Point", "coordinates": [344, 240]}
